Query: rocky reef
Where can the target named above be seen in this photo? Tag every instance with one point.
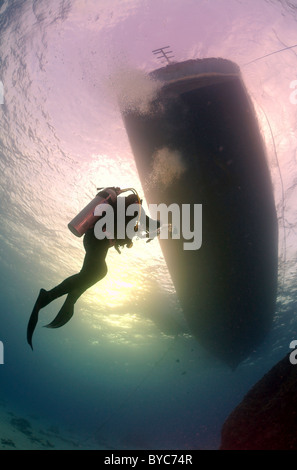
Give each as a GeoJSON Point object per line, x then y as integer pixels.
{"type": "Point", "coordinates": [266, 419]}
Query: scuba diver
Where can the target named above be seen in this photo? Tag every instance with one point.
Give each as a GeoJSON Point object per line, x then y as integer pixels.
{"type": "Point", "coordinates": [94, 267]}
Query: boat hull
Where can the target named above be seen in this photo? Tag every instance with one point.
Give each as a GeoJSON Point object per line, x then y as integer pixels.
{"type": "Point", "coordinates": [204, 123]}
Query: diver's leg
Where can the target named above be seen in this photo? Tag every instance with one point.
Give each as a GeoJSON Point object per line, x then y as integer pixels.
{"type": "Point", "coordinates": [74, 286]}
{"type": "Point", "coordinates": [93, 269]}
{"type": "Point", "coordinates": [46, 297]}
{"type": "Point", "coordinates": [66, 312]}
{"type": "Point", "coordinates": [42, 301]}
{"type": "Point", "coordinates": [67, 309]}
{"type": "Point", "coordinates": [69, 284]}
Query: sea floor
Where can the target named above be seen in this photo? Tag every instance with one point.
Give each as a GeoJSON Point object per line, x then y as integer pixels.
{"type": "Point", "coordinates": [29, 433]}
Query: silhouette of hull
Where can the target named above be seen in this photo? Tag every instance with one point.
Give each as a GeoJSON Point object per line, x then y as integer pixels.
{"type": "Point", "coordinates": [227, 288]}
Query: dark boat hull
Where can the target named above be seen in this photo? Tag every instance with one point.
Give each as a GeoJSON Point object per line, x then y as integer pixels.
{"type": "Point", "coordinates": [227, 288]}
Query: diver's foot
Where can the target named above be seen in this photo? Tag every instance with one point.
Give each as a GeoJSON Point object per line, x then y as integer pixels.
{"type": "Point", "coordinates": [42, 300]}
{"type": "Point", "coordinates": [64, 315]}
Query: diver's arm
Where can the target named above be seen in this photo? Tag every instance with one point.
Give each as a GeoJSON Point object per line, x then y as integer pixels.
{"type": "Point", "coordinates": [149, 227]}
{"type": "Point", "coordinates": [147, 224]}
{"type": "Point", "coordinates": [153, 223]}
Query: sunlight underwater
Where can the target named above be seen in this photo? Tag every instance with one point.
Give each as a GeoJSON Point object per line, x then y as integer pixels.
{"type": "Point", "coordinates": [117, 376]}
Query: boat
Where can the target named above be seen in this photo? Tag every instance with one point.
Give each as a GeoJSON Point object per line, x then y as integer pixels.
{"type": "Point", "coordinates": [201, 128]}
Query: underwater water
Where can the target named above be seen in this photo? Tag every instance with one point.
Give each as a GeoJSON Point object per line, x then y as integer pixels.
{"type": "Point", "coordinates": [125, 372]}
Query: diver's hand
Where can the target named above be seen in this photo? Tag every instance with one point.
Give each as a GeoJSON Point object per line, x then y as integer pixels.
{"type": "Point", "coordinates": [161, 229]}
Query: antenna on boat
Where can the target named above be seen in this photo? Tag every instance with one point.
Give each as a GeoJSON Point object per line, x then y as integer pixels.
{"type": "Point", "coordinates": [163, 55]}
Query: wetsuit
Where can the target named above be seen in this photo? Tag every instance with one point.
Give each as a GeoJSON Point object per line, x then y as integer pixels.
{"type": "Point", "coordinates": [93, 270]}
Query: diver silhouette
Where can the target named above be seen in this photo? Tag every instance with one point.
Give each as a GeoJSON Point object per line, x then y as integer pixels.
{"type": "Point", "coordinates": [94, 269]}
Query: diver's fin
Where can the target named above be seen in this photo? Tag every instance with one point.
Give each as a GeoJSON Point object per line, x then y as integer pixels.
{"type": "Point", "coordinates": [63, 317]}
{"type": "Point", "coordinates": [40, 303]}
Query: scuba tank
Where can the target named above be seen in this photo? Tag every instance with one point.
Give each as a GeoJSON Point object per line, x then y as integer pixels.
{"type": "Point", "coordinates": [86, 218]}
